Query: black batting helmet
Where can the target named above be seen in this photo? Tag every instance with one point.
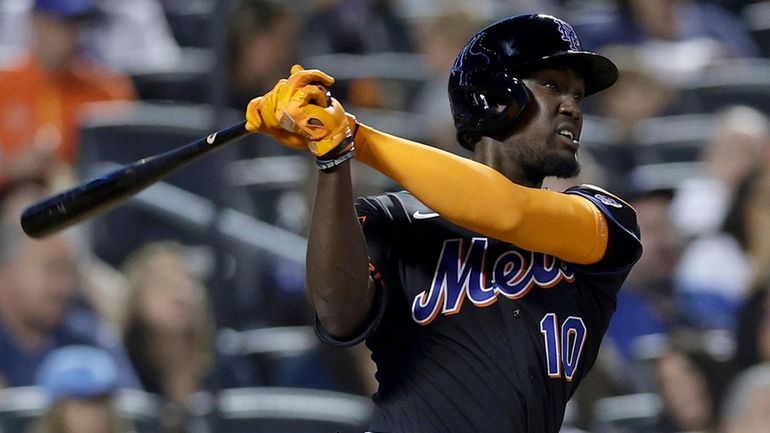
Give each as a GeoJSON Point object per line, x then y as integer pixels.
{"type": "Point", "coordinates": [485, 92]}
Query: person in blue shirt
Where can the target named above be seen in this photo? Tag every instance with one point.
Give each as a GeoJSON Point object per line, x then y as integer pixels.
{"type": "Point", "coordinates": [38, 298]}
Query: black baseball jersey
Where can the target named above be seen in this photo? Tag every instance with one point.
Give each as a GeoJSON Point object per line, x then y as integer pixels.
{"type": "Point", "coordinates": [472, 334]}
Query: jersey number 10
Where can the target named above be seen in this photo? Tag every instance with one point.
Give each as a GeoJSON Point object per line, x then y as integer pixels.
{"type": "Point", "coordinates": [563, 346]}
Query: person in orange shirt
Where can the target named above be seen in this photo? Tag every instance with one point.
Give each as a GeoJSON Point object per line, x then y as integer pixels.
{"type": "Point", "coordinates": [42, 94]}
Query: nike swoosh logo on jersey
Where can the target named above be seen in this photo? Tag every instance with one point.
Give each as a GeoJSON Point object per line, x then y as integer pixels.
{"type": "Point", "coordinates": [424, 216]}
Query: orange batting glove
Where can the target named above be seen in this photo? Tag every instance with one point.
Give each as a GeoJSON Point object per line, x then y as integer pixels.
{"type": "Point", "coordinates": [325, 126]}
{"type": "Point", "coordinates": [303, 85]}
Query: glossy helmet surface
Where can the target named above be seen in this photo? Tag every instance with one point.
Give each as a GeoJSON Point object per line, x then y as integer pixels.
{"type": "Point", "coordinates": [486, 92]}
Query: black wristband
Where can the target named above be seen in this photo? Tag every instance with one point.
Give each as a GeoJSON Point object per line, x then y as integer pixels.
{"type": "Point", "coordinates": [328, 164]}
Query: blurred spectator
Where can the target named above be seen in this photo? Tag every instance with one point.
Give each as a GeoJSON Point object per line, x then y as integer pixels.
{"type": "Point", "coordinates": [130, 36]}
{"type": "Point", "coordinates": [713, 293]}
{"type": "Point", "coordinates": [638, 94]}
{"type": "Point", "coordinates": [440, 39]}
{"type": "Point", "coordinates": [747, 405]}
{"type": "Point", "coordinates": [169, 332]}
{"type": "Point", "coordinates": [752, 332]}
{"type": "Point", "coordinates": [263, 44]}
{"type": "Point", "coordinates": [739, 144]}
{"type": "Point", "coordinates": [676, 37]}
{"type": "Point", "coordinates": [80, 383]}
{"type": "Point", "coordinates": [691, 383]}
{"type": "Point", "coordinates": [42, 94]}
{"type": "Point", "coordinates": [757, 229]}
{"type": "Point", "coordinates": [646, 303]}
{"type": "Point", "coordinates": [134, 36]}
{"type": "Point", "coordinates": [38, 299]}
{"type": "Point", "coordinates": [101, 288]}
{"type": "Point", "coordinates": [356, 26]}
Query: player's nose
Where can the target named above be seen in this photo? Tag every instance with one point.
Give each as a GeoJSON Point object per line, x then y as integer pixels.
{"type": "Point", "coordinates": [570, 107]}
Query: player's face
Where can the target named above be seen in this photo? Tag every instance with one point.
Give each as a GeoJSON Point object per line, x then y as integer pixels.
{"type": "Point", "coordinates": [548, 143]}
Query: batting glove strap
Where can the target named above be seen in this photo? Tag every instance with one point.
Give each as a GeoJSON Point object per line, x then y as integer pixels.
{"type": "Point", "coordinates": [343, 152]}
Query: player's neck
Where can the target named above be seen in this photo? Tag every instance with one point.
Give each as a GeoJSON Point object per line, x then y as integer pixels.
{"type": "Point", "coordinates": [513, 170]}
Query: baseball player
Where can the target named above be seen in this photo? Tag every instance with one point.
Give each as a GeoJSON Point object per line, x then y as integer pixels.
{"type": "Point", "coordinates": [482, 296]}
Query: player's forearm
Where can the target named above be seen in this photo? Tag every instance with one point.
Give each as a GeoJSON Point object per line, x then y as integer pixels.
{"type": "Point", "coordinates": [337, 260]}
{"type": "Point", "coordinates": [479, 198]}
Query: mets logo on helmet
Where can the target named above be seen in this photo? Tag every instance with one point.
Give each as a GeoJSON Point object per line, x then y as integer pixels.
{"type": "Point", "coordinates": [568, 34]}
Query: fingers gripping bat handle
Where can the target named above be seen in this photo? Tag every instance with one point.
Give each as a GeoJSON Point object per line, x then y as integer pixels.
{"type": "Point", "coordinates": [105, 192]}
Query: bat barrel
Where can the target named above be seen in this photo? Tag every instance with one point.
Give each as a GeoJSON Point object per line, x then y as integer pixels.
{"type": "Point", "coordinates": [103, 193]}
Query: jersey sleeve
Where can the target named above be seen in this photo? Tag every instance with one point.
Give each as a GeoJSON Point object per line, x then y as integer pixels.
{"type": "Point", "coordinates": [624, 246]}
{"type": "Point", "coordinates": [376, 222]}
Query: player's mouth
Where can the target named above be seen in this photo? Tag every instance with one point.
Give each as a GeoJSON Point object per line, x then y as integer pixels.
{"type": "Point", "coordinates": [569, 136]}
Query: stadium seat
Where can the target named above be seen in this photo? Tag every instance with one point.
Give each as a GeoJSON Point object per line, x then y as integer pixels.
{"type": "Point", "coordinates": [756, 16]}
{"type": "Point", "coordinates": [187, 81]}
{"type": "Point", "coordinates": [289, 410]}
{"type": "Point", "coordinates": [674, 138]}
{"type": "Point", "coordinates": [632, 413]}
{"type": "Point", "coordinates": [190, 22]}
{"type": "Point", "coordinates": [734, 82]}
{"type": "Point", "coordinates": [667, 175]}
{"type": "Point", "coordinates": [603, 140]}
{"type": "Point", "coordinates": [21, 406]}
{"type": "Point", "coordinates": [142, 409]}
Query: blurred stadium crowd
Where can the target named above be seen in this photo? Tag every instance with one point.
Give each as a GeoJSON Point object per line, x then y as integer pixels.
{"type": "Point", "coordinates": [184, 310]}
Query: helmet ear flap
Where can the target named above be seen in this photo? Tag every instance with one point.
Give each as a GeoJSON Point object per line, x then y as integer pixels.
{"type": "Point", "coordinates": [507, 101]}
{"type": "Point", "coordinates": [490, 110]}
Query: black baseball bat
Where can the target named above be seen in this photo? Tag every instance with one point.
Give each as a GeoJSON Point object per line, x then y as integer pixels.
{"type": "Point", "coordinates": [104, 193]}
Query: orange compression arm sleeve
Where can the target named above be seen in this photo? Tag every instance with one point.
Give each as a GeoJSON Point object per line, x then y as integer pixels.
{"type": "Point", "coordinates": [481, 199]}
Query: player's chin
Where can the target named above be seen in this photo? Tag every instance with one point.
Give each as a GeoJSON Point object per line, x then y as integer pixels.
{"type": "Point", "coordinates": [563, 165]}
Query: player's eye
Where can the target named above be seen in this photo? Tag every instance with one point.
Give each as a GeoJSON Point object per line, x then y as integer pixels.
{"type": "Point", "coordinates": [551, 85]}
